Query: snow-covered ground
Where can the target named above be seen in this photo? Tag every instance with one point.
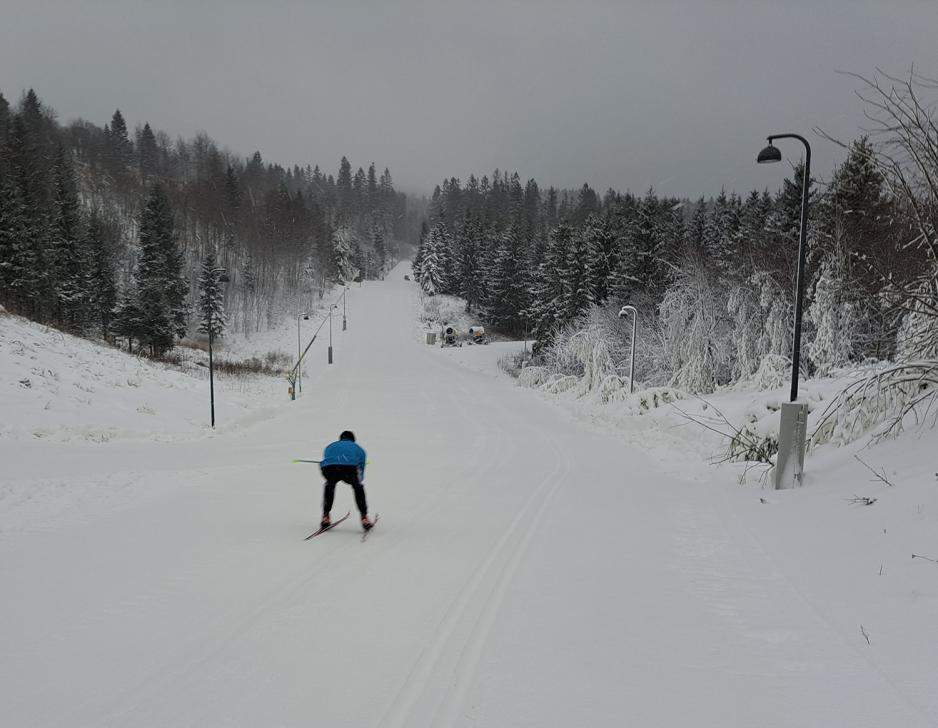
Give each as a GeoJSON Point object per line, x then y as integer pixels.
{"type": "Point", "coordinates": [540, 560]}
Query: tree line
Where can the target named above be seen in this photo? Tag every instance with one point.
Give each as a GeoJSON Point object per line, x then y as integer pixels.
{"type": "Point", "coordinates": [104, 232]}
{"type": "Point", "coordinates": [714, 279]}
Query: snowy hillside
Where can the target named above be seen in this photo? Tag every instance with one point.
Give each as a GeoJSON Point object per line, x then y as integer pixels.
{"type": "Point", "coordinates": [541, 560]}
{"type": "Point", "coordinates": [62, 388]}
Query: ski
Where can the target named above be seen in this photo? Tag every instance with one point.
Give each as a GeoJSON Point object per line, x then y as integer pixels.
{"type": "Point", "coordinates": [330, 526]}
{"type": "Point", "coordinates": [373, 524]}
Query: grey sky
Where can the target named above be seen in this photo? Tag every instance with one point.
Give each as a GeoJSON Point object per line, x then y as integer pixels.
{"type": "Point", "coordinates": [678, 95]}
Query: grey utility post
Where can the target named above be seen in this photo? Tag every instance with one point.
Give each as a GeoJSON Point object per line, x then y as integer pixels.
{"type": "Point", "coordinates": [793, 428]}
{"type": "Point", "coordinates": [623, 311]}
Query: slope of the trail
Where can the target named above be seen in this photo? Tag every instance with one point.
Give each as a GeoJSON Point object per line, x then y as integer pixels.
{"type": "Point", "coordinates": [525, 572]}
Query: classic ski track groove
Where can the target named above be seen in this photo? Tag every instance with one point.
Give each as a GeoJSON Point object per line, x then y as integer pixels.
{"type": "Point", "coordinates": [468, 664]}
{"type": "Point", "coordinates": [415, 687]}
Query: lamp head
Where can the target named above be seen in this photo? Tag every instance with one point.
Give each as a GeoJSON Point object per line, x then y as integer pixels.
{"type": "Point", "coordinates": [769, 154]}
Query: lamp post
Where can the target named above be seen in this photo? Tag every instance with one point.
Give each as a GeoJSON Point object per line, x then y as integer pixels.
{"type": "Point", "coordinates": [299, 377]}
{"type": "Point", "coordinates": [793, 428]}
{"type": "Point", "coordinates": [222, 278]}
{"type": "Point", "coordinates": [769, 155]}
{"type": "Point", "coordinates": [622, 312]}
{"type": "Point", "coordinates": [331, 309]}
{"type": "Point", "coordinates": [344, 319]}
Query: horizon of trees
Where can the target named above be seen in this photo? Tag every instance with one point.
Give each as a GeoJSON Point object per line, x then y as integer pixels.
{"type": "Point", "coordinates": [714, 278]}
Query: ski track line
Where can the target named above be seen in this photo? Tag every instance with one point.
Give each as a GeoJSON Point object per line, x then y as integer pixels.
{"type": "Point", "coordinates": [206, 649]}
{"type": "Point", "coordinates": [468, 664]}
{"type": "Point", "coordinates": [416, 683]}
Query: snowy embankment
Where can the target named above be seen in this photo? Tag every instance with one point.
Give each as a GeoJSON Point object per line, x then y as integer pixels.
{"type": "Point", "coordinates": [527, 570]}
{"type": "Point", "coordinates": [63, 388]}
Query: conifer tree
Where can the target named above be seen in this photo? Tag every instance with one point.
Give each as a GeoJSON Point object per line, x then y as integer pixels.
{"type": "Point", "coordinates": [212, 318]}
{"type": "Point", "coordinates": [99, 242]}
{"type": "Point", "coordinates": [577, 289]}
{"type": "Point", "coordinates": [160, 289]}
{"type": "Point", "coordinates": [343, 256]}
{"type": "Point", "coordinates": [68, 257]}
{"type": "Point", "coordinates": [600, 256]}
{"type": "Point", "coordinates": [147, 153]}
{"type": "Point", "coordinates": [507, 294]}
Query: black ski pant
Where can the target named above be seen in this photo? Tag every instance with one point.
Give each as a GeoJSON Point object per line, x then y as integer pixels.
{"type": "Point", "coordinates": [346, 474]}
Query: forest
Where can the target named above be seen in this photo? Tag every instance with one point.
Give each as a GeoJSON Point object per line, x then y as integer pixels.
{"type": "Point", "coordinates": [107, 233]}
{"type": "Point", "coordinates": [713, 279]}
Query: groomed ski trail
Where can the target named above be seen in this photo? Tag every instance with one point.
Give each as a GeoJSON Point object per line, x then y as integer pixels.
{"type": "Point", "coordinates": [528, 571]}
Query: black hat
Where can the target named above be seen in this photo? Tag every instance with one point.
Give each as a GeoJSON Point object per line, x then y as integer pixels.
{"type": "Point", "coordinates": [347, 435]}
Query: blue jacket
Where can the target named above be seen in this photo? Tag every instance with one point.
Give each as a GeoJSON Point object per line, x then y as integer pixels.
{"type": "Point", "coordinates": [344, 452]}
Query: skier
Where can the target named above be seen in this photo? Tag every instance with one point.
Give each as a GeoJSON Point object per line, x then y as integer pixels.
{"type": "Point", "coordinates": [344, 461]}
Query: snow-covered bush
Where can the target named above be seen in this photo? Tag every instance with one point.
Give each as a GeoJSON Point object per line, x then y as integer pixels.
{"type": "Point", "coordinates": [882, 405]}
{"type": "Point", "coordinates": [695, 331]}
{"type": "Point", "coordinates": [835, 320]}
{"type": "Point", "coordinates": [533, 377]}
{"type": "Point", "coordinates": [918, 334]}
{"type": "Point", "coordinates": [774, 371]}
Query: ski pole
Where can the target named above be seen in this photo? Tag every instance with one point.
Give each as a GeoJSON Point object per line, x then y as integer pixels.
{"type": "Point", "coordinates": [298, 460]}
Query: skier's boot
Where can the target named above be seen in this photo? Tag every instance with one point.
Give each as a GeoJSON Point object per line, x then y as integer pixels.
{"type": "Point", "coordinates": [326, 521]}
{"type": "Point", "coordinates": [366, 523]}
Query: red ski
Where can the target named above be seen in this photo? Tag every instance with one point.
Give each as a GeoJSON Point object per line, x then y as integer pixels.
{"type": "Point", "coordinates": [331, 525]}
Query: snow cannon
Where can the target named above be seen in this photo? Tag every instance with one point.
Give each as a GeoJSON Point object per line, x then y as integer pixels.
{"type": "Point", "coordinates": [477, 335]}
{"type": "Point", "coordinates": [450, 337]}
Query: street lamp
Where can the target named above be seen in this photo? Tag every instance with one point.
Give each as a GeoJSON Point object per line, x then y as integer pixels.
{"type": "Point", "coordinates": [331, 309]}
{"type": "Point", "coordinates": [344, 320]}
{"type": "Point", "coordinates": [793, 428]}
{"type": "Point", "coordinates": [622, 312]}
{"type": "Point", "coordinates": [223, 278]}
{"type": "Point", "coordinates": [299, 378]}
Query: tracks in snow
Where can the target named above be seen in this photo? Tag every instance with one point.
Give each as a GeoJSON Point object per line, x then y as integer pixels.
{"type": "Point", "coordinates": [435, 690]}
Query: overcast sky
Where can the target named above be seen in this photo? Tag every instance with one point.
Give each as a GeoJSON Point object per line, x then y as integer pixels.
{"type": "Point", "coordinates": [628, 94]}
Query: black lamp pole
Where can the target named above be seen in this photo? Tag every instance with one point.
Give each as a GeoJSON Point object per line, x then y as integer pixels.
{"type": "Point", "coordinates": [222, 278]}
{"type": "Point", "coordinates": [772, 154]}
{"type": "Point", "coordinates": [211, 377]}
{"type": "Point", "coordinates": [331, 308]}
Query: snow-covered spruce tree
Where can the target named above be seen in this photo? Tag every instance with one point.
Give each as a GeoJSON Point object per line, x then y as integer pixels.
{"type": "Point", "coordinates": [547, 289]}
{"type": "Point", "coordinates": [68, 257]}
{"type": "Point", "coordinates": [601, 256]}
{"type": "Point", "coordinates": [577, 293]}
{"type": "Point", "coordinates": [695, 330]}
{"type": "Point", "coordinates": [507, 296]}
{"type": "Point", "coordinates": [211, 298]}
{"type": "Point", "coordinates": [469, 269]}
{"type": "Point", "coordinates": [421, 248]}
{"type": "Point", "coordinates": [380, 251]}
{"type": "Point", "coordinates": [720, 233]}
{"type": "Point", "coordinates": [343, 254]}
{"type": "Point", "coordinates": [99, 242]}
{"type": "Point", "coordinates": [16, 252]}
{"type": "Point", "coordinates": [433, 273]}
{"type": "Point", "coordinates": [127, 319]}
{"type": "Point", "coordinates": [161, 291]}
